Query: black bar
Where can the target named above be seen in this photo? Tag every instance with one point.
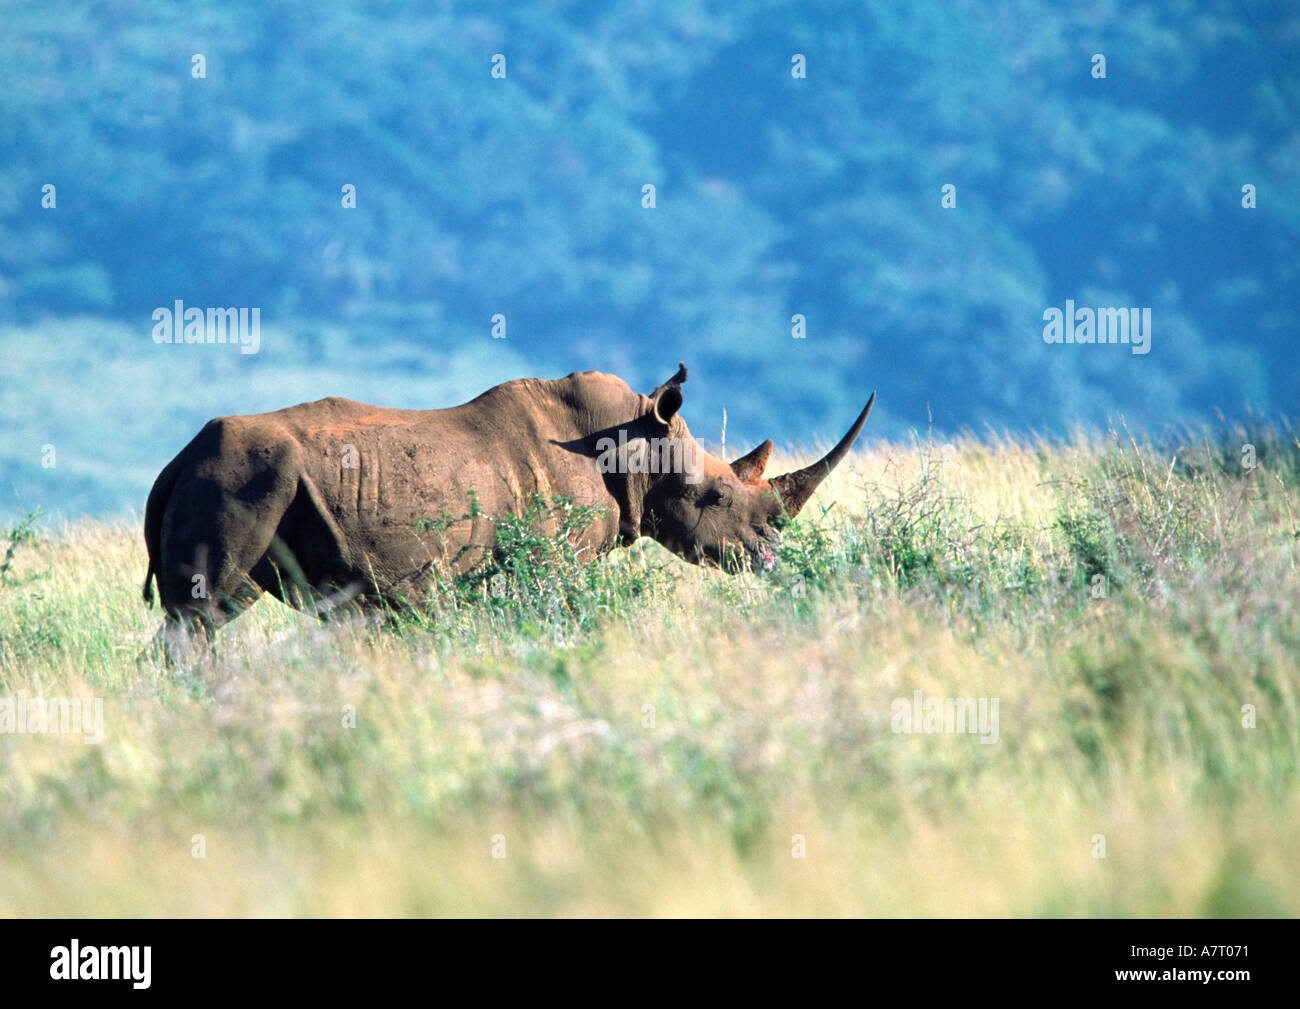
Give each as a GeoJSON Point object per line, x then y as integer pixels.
{"type": "Point", "coordinates": [331, 959]}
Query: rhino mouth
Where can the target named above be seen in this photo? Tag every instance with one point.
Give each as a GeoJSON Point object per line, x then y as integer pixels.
{"type": "Point", "coordinates": [760, 556]}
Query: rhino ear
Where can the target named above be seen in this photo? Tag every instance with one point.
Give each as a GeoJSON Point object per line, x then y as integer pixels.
{"type": "Point", "coordinates": [666, 400]}
{"type": "Point", "coordinates": [749, 468]}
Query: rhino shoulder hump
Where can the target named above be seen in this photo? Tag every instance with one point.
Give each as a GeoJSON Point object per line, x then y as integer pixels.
{"type": "Point", "coordinates": [244, 432]}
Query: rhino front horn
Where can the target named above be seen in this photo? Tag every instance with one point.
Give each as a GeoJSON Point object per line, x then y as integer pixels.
{"type": "Point", "coordinates": [797, 487]}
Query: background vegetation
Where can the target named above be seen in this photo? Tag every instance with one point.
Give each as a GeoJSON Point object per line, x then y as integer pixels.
{"type": "Point", "coordinates": [522, 196]}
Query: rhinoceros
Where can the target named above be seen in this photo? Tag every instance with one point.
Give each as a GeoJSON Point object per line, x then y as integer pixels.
{"type": "Point", "coordinates": [337, 499]}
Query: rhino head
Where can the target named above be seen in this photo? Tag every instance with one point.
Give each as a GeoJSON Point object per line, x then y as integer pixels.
{"type": "Point", "coordinates": [725, 515]}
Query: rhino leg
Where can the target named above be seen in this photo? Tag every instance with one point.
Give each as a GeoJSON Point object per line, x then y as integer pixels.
{"type": "Point", "coordinates": [186, 636]}
{"type": "Point", "coordinates": [306, 566]}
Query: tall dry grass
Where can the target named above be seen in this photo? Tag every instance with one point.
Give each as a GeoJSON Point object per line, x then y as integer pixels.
{"type": "Point", "coordinates": [642, 737]}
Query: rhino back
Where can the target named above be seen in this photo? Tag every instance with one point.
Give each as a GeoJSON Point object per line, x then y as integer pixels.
{"type": "Point", "coordinates": [403, 485]}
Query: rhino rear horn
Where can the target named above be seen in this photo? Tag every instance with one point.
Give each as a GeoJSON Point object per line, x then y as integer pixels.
{"type": "Point", "coordinates": [795, 488]}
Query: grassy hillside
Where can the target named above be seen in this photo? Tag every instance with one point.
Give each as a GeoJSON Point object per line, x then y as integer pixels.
{"type": "Point", "coordinates": [643, 737]}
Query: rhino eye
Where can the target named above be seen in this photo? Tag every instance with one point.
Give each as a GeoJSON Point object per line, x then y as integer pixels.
{"type": "Point", "coordinates": [715, 497]}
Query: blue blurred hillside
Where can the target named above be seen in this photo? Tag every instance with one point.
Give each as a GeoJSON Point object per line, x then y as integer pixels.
{"type": "Point", "coordinates": [799, 154]}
